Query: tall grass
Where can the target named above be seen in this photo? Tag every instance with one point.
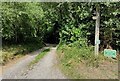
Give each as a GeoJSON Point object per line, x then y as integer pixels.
{"type": "Point", "coordinates": [72, 56]}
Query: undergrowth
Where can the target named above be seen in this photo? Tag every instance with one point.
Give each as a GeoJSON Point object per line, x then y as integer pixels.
{"type": "Point", "coordinates": [13, 51]}
{"type": "Point", "coordinates": [71, 56]}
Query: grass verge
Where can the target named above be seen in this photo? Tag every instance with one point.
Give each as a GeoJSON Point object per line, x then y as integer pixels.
{"type": "Point", "coordinates": [10, 52]}
{"type": "Point", "coordinates": [39, 56]}
{"type": "Point", "coordinates": [75, 62]}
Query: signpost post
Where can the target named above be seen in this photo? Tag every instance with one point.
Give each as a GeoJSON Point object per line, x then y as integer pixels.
{"type": "Point", "coordinates": [97, 41]}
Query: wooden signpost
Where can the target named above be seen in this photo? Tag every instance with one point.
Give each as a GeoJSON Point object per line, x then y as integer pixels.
{"type": "Point", "coordinates": [97, 41]}
{"type": "Point", "coordinates": [107, 52]}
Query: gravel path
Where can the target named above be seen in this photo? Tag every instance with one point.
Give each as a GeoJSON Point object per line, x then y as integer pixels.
{"type": "Point", "coordinates": [46, 68]}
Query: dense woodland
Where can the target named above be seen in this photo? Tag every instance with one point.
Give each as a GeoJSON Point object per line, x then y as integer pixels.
{"type": "Point", "coordinates": [63, 23]}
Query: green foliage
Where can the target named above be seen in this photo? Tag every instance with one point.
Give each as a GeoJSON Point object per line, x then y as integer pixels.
{"type": "Point", "coordinates": [73, 22]}
{"type": "Point", "coordinates": [78, 16]}
{"type": "Point", "coordinates": [70, 34]}
{"type": "Point", "coordinates": [109, 24]}
{"type": "Point", "coordinates": [21, 21]}
{"type": "Point", "coordinates": [34, 22]}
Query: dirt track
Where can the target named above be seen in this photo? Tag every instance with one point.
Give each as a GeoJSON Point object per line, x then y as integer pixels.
{"type": "Point", "coordinates": [46, 68]}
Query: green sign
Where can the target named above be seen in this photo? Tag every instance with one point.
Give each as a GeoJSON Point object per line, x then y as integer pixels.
{"type": "Point", "coordinates": [110, 53]}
